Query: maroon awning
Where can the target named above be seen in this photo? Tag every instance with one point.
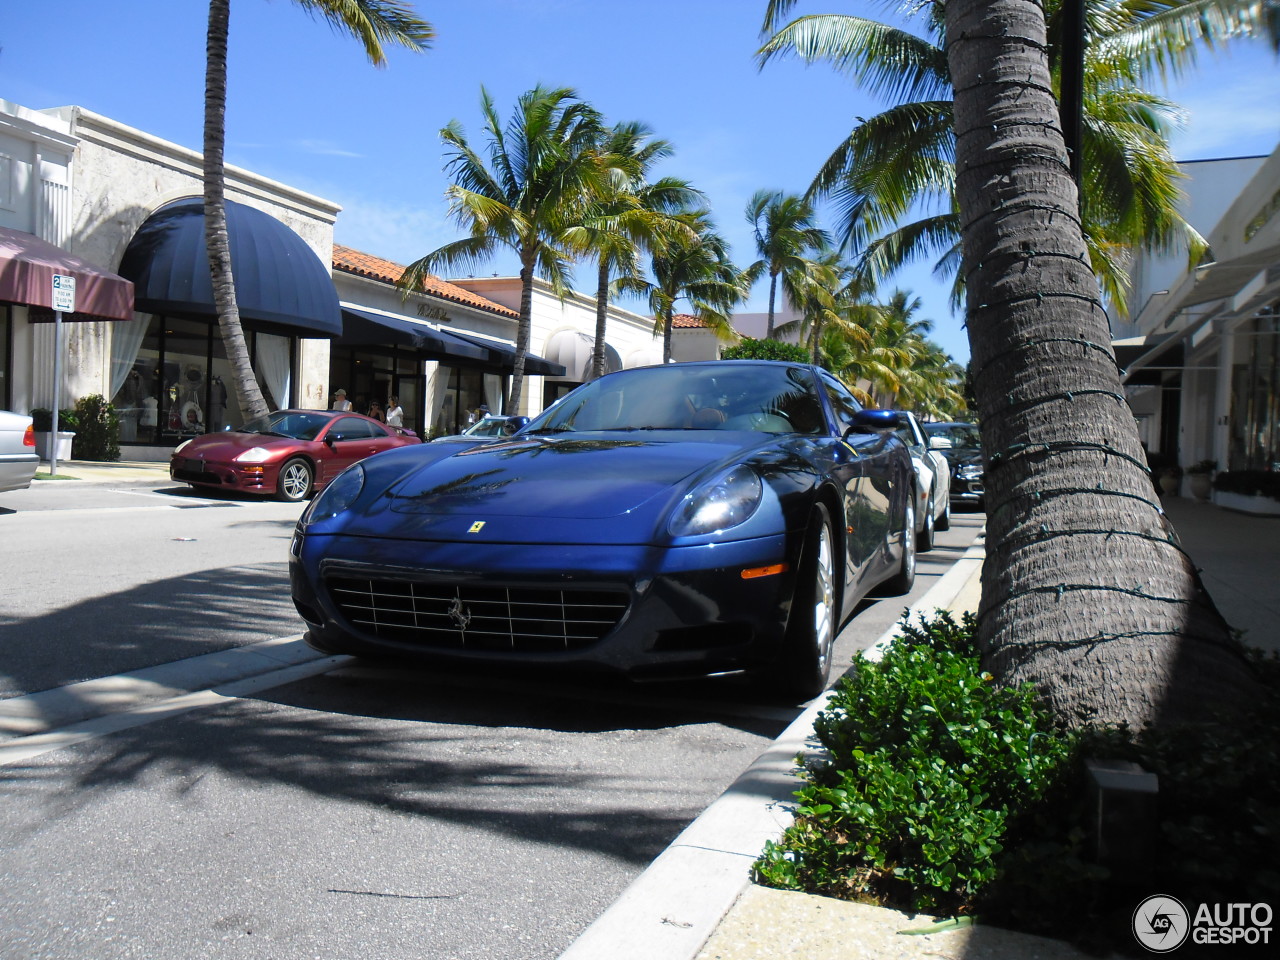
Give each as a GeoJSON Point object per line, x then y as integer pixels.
{"type": "Point", "coordinates": [27, 266]}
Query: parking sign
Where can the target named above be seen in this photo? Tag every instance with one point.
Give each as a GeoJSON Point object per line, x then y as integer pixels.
{"type": "Point", "coordinates": [64, 293]}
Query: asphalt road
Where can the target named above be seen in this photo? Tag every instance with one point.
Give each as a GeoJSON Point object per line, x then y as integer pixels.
{"type": "Point", "coordinates": [361, 813]}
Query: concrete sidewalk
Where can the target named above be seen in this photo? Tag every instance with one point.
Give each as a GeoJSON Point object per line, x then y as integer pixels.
{"type": "Point", "coordinates": [696, 901]}
{"type": "Point", "coordinates": [92, 471]}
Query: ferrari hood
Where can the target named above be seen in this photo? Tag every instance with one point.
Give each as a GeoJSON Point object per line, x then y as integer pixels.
{"type": "Point", "coordinates": [536, 489]}
{"type": "Point", "coordinates": [555, 478]}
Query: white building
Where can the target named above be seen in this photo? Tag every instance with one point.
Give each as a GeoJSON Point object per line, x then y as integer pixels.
{"type": "Point", "coordinates": [1201, 356]}
{"type": "Point", "coordinates": [83, 194]}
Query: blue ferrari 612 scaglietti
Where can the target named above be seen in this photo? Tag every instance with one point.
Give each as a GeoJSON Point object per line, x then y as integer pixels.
{"type": "Point", "coordinates": [686, 519]}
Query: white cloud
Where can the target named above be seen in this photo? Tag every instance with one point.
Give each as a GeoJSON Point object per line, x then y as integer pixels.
{"type": "Point", "coordinates": [325, 148]}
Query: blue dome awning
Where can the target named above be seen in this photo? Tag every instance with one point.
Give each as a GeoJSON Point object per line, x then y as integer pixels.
{"type": "Point", "coordinates": [281, 285]}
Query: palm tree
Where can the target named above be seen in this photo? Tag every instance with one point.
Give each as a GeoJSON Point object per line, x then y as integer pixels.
{"type": "Point", "coordinates": [785, 231]}
{"type": "Point", "coordinates": [905, 155]}
{"type": "Point", "coordinates": [832, 295]}
{"type": "Point", "coordinates": [1085, 590]}
{"type": "Point", "coordinates": [692, 265]}
{"type": "Point", "coordinates": [542, 171]}
{"type": "Point", "coordinates": [936, 390]}
{"type": "Point", "coordinates": [374, 23]}
{"type": "Point", "coordinates": [630, 215]}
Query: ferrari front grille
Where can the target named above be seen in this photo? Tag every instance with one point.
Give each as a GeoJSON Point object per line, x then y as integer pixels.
{"type": "Point", "coordinates": [452, 616]}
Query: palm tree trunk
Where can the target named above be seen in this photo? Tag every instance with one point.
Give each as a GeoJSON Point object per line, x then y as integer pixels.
{"type": "Point", "coordinates": [243, 381]}
{"type": "Point", "coordinates": [667, 316]}
{"type": "Point", "coordinates": [523, 335]}
{"type": "Point", "coordinates": [773, 292]}
{"type": "Point", "coordinates": [1084, 591]}
{"type": "Point", "coordinates": [602, 314]}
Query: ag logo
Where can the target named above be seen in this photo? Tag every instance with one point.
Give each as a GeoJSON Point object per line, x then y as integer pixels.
{"type": "Point", "coordinates": [1161, 923]}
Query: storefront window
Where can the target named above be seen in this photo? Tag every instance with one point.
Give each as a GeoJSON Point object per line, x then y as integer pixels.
{"type": "Point", "coordinates": [1255, 421]}
{"type": "Point", "coordinates": [462, 401]}
{"type": "Point", "coordinates": [171, 380]}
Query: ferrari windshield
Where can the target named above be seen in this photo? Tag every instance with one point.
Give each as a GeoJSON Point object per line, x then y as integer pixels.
{"type": "Point", "coordinates": [288, 423]}
{"type": "Point", "coordinates": [693, 396]}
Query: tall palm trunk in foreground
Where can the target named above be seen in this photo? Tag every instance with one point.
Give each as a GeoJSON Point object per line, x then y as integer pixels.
{"type": "Point", "coordinates": [373, 23]}
{"type": "Point", "coordinates": [244, 383]}
{"type": "Point", "coordinates": [1084, 592]}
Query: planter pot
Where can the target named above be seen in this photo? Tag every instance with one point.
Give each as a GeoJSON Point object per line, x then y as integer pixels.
{"type": "Point", "coordinates": [45, 447]}
{"type": "Point", "coordinates": [1201, 485]}
{"type": "Point", "coordinates": [1169, 485]}
{"type": "Point", "coordinates": [1246, 503]}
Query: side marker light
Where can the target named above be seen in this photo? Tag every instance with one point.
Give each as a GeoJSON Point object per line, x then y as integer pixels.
{"type": "Point", "coordinates": [751, 573]}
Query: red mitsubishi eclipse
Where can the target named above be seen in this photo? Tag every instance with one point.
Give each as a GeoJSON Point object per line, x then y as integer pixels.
{"type": "Point", "coordinates": [289, 453]}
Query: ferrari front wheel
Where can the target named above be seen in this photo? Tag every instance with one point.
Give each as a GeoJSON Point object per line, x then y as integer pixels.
{"type": "Point", "coordinates": [811, 631]}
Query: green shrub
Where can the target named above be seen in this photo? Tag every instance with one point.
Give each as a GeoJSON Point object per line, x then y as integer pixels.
{"type": "Point", "coordinates": [42, 420]}
{"type": "Point", "coordinates": [750, 349]}
{"type": "Point", "coordinates": [98, 434]}
{"type": "Point", "coordinates": [942, 792]}
{"type": "Point", "coordinates": [1214, 835]}
{"type": "Point", "coordinates": [927, 760]}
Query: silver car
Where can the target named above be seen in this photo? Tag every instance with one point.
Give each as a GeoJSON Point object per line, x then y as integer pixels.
{"type": "Point", "coordinates": [933, 481]}
{"type": "Point", "coordinates": [18, 457]}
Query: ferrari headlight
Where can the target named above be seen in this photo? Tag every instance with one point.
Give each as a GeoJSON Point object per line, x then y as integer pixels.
{"type": "Point", "coordinates": [337, 496]}
{"type": "Point", "coordinates": [253, 455]}
{"type": "Point", "coordinates": [722, 502]}
{"type": "Point", "coordinates": [178, 448]}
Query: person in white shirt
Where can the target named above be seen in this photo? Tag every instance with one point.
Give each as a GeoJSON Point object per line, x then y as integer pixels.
{"type": "Point", "coordinates": [395, 413]}
{"type": "Point", "coordinates": [340, 401]}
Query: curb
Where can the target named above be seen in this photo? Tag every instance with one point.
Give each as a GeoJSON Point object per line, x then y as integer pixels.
{"type": "Point", "coordinates": [38, 713]}
{"type": "Point", "coordinates": [669, 911]}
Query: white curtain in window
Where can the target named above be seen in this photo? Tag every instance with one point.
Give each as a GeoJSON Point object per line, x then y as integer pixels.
{"type": "Point", "coordinates": [126, 338]}
{"type": "Point", "coordinates": [437, 386]}
{"type": "Point", "coordinates": [273, 366]}
{"type": "Point", "coordinates": [493, 392]}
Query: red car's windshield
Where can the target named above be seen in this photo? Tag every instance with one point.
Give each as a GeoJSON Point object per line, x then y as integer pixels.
{"type": "Point", "coordinates": [288, 423]}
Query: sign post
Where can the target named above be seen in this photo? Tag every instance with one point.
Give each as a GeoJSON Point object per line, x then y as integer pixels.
{"type": "Point", "coordinates": [64, 301]}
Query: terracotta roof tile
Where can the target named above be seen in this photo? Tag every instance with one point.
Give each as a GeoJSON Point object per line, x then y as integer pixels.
{"type": "Point", "coordinates": [686, 321]}
{"type": "Point", "coordinates": [348, 260]}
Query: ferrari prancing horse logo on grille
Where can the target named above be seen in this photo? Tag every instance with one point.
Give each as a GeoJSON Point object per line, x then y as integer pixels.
{"type": "Point", "coordinates": [476, 527]}
{"type": "Point", "coordinates": [459, 614]}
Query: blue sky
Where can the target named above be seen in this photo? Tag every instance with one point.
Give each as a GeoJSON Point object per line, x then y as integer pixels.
{"type": "Point", "coordinates": [307, 109]}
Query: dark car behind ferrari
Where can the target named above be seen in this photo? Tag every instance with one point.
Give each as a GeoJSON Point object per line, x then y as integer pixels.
{"type": "Point", "coordinates": [663, 521]}
{"type": "Point", "coordinates": [964, 453]}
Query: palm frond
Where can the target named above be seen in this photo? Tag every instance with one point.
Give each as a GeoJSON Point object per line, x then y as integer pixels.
{"type": "Point", "coordinates": [888, 61]}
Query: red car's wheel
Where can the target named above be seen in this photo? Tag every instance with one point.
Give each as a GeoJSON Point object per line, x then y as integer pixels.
{"type": "Point", "coordinates": [295, 480]}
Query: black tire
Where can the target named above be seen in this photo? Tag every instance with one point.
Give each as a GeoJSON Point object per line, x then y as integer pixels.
{"type": "Point", "coordinates": [944, 521]}
{"type": "Point", "coordinates": [815, 612]}
{"type": "Point", "coordinates": [924, 539]}
{"type": "Point", "coordinates": [902, 581]}
{"type": "Point", "coordinates": [295, 480]}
